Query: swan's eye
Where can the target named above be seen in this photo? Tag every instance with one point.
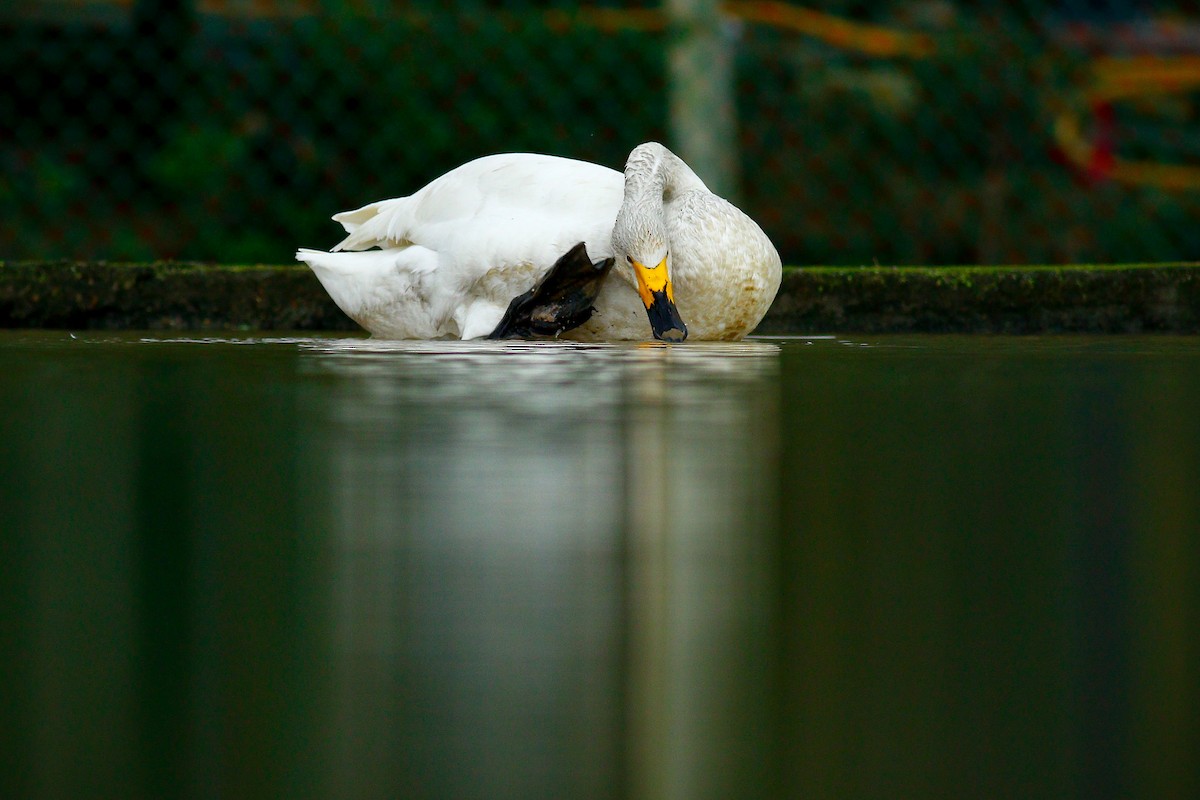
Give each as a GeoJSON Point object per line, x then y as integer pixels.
{"type": "Point", "coordinates": [629, 259]}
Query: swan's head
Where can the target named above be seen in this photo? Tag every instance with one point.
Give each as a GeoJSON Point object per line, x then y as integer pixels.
{"type": "Point", "coordinates": [640, 243]}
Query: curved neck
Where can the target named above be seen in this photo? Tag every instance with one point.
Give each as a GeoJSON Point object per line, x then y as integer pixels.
{"type": "Point", "coordinates": [654, 174]}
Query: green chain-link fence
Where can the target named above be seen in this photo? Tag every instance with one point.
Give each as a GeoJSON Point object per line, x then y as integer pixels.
{"type": "Point", "coordinates": [925, 131]}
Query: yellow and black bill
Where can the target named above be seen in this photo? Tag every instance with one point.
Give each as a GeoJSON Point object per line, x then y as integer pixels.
{"type": "Point", "coordinates": [654, 287]}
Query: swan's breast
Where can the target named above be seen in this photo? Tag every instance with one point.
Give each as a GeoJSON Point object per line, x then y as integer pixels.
{"type": "Point", "coordinates": [725, 270]}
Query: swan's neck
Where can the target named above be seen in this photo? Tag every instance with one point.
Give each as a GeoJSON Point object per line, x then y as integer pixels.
{"type": "Point", "coordinates": [654, 177]}
{"type": "Point", "coordinates": [653, 174]}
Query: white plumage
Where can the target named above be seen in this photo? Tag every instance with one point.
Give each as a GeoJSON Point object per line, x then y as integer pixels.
{"type": "Point", "coordinates": [453, 255]}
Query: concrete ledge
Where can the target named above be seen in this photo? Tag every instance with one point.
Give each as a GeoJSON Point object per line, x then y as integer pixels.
{"type": "Point", "coordinates": [164, 295]}
{"type": "Point", "coordinates": [189, 296]}
{"type": "Point", "coordinates": [1094, 299]}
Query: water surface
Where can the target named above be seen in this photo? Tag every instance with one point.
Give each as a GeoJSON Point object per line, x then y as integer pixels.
{"type": "Point", "coordinates": [830, 567]}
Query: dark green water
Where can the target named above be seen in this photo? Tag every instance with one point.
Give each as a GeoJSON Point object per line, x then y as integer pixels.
{"type": "Point", "coordinates": [918, 567]}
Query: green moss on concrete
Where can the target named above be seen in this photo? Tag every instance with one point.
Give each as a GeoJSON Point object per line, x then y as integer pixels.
{"type": "Point", "coordinates": [1037, 299]}
{"type": "Point", "coordinates": [164, 295]}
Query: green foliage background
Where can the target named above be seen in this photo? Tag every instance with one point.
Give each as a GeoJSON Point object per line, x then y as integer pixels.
{"type": "Point", "coordinates": [161, 131]}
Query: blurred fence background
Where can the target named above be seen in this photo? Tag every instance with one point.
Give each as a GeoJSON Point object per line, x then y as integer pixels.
{"type": "Point", "coordinates": [915, 131]}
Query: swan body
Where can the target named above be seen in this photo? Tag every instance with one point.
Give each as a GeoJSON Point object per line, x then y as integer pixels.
{"type": "Point", "coordinates": [448, 260]}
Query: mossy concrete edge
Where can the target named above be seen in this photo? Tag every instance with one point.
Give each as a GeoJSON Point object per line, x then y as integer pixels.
{"type": "Point", "coordinates": [175, 295]}
{"type": "Point", "coordinates": [1039, 299]}
{"type": "Point", "coordinates": [164, 295]}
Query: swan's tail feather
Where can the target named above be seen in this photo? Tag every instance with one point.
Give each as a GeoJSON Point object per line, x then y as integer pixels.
{"type": "Point", "coordinates": [361, 282]}
{"type": "Point", "coordinates": [357, 263]}
{"type": "Point", "coordinates": [378, 224]}
{"type": "Point", "coordinates": [351, 279]}
{"type": "Point", "coordinates": [352, 220]}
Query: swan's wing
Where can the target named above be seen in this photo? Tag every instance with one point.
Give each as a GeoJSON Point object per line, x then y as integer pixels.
{"type": "Point", "coordinates": [504, 197]}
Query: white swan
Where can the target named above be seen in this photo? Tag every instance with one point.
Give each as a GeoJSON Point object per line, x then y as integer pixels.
{"type": "Point", "coordinates": [453, 256]}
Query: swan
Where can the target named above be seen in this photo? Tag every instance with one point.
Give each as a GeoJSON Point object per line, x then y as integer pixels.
{"type": "Point", "coordinates": [521, 243]}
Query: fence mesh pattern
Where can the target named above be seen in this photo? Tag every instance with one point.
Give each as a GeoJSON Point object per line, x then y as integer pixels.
{"type": "Point", "coordinates": [924, 131]}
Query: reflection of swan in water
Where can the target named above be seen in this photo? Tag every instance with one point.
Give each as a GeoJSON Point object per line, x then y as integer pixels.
{"type": "Point", "coordinates": [712, 356]}
{"type": "Point", "coordinates": [540, 377]}
{"type": "Point", "coordinates": [545, 539]}
{"type": "Point", "coordinates": [508, 410]}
